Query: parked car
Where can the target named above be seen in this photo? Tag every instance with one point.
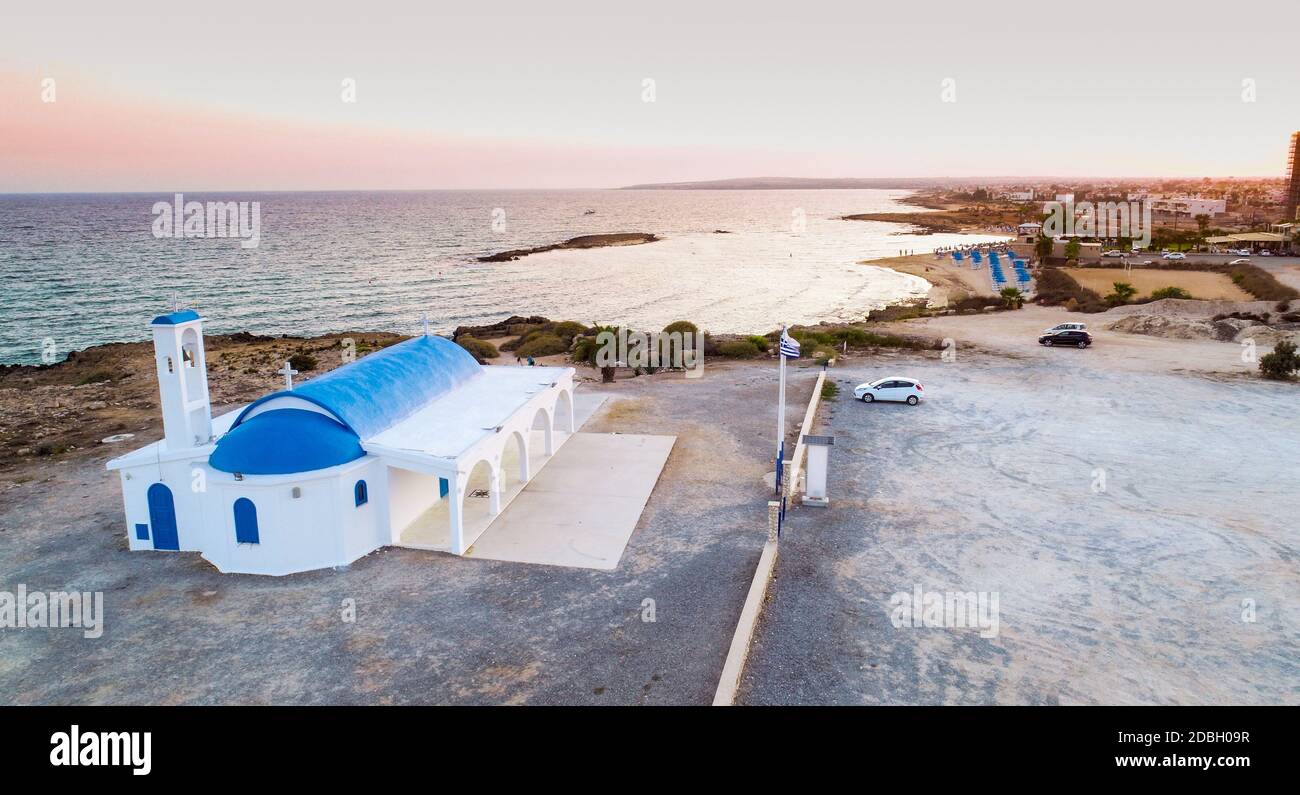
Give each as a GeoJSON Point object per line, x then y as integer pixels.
{"type": "Point", "coordinates": [894, 388]}
{"type": "Point", "coordinates": [1174, 255]}
{"type": "Point", "coordinates": [1066, 327]}
{"type": "Point", "coordinates": [1239, 261]}
{"type": "Point", "coordinates": [1114, 253]}
{"type": "Point", "coordinates": [1266, 253]}
{"type": "Point", "coordinates": [1078, 339]}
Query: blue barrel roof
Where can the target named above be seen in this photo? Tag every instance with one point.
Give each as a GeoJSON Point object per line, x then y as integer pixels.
{"type": "Point", "coordinates": [285, 441]}
{"type": "Point", "coordinates": [175, 318]}
{"type": "Point", "coordinates": [377, 391]}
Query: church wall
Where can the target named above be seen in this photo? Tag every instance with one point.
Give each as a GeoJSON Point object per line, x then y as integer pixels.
{"type": "Point", "coordinates": [191, 531]}
{"type": "Point", "coordinates": [365, 528]}
{"type": "Point", "coordinates": [294, 533]}
{"type": "Point", "coordinates": [410, 494]}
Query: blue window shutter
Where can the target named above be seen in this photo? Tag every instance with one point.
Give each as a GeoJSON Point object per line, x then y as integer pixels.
{"type": "Point", "coordinates": [444, 486]}
{"type": "Point", "coordinates": [246, 521]}
{"type": "Point", "coordinates": [142, 532]}
{"type": "Point", "coordinates": [361, 494]}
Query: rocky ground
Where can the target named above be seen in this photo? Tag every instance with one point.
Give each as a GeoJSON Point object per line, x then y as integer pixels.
{"type": "Point", "coordinates": [67, 409]}
{"type": "Point", "coordinates": [1265, 322]}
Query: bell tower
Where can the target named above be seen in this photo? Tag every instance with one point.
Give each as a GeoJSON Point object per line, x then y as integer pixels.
{"type": "Point", "coordinates": [182, 379]}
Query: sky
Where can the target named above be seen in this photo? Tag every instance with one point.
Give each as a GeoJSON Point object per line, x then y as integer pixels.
{"type": "Point", "coordinates": [504, 94]}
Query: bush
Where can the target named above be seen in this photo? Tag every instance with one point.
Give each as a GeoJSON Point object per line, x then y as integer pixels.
{"type": "Point", "coordinates": [568, 329]}
{"type": "Point", "coordinates": [302, 362]}
{"type": "Point", "coordinates": [738, 349]}
{"type": "Point", "coordinates": [1055, 287]}
{"type": "Point", "coordinates": [681, 326]}
{"type": "Point", "coordinates": [541, 344]}
{"type": "Point", "coordinates": [478, 348]}
{"type": "Point", "coordinates": [830, 390]}
{"type": "Point", "coordinates": [1169, 292]}
{"type": "Point", "coordinates": [1123, 291]}
{"type": "Point", "coordinates": [759, 342]}
{"type": "Point", "coordinates": [1281, 363]}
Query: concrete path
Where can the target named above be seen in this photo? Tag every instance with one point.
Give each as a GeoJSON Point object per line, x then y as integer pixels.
{"type": "Point", "coordinates": [581, 509]}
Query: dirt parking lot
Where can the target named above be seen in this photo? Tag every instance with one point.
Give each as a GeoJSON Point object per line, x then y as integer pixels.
{"type": "Point", "coordinates": [1138, 528]}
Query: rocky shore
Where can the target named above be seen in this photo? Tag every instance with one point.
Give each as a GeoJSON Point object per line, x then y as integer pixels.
{"type": "Point", "coordinates": [582, 241]}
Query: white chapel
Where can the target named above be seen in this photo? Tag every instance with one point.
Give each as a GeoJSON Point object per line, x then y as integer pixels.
{"type": "Point", "coordinates": [414, 445]}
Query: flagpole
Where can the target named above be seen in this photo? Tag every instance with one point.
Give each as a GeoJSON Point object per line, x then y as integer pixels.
{"type": "Point", "coordinates": [780, 407]}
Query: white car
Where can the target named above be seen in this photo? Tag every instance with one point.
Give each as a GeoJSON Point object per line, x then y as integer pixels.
{"type": "Point", "coordinates": [1059, 327]}
{"type": "Point", "coordinates": [1175, 255]}
{"type": "Point", "coordinates": [1266, 253]}
{"type": "Point", "coordinates": [894, 388]}
{"type": "Point", "coordinates": [1115, 253]}
{"type": "Point", "coordinates": [1239, 262]}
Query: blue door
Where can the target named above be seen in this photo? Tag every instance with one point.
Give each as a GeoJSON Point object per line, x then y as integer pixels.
{"type": "Point", "coordinates": [162, 515]}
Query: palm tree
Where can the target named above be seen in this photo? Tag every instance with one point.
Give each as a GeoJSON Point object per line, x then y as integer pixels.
{"type": "Point", "coordinates": [1012, 297]}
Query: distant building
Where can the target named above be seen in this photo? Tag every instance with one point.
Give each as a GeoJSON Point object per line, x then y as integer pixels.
{"type": "Point", "coordinates": [1028, 233]}
{"type": "Point", "coordinates": [1020, 195]}
{"type": "Point", "coordinates": [1189, 205]}
{"type": "Point", "coordinates": [1292, 199]}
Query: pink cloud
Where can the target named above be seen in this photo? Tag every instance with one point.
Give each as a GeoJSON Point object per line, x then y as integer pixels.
{"type": "Point", "coordinates": [87, 141]}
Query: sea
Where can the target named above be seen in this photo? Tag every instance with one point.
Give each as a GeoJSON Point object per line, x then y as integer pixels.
{"type": "Point", "coordinates": [85, 269]}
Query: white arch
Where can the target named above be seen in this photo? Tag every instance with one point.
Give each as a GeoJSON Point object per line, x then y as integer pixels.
{"type": "Point", "coordinates": [564, 411]}
{"type": "Point", "coordinates": [519, 473]}
{"type": "Point", "coordinates": [547, 427]}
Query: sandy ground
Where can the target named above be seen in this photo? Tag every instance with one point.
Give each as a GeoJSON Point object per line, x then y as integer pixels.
{"type": "Point", "coordinates": [1201, 284]}
{"type": "Point", "coordinates": [947, 276]}
{"type": "Point", "coordinates": [430, 627]}
{"type": "Point", "coordinates": [1132, 593]}
{"type": "Point", "coordinates": [1016, 334]}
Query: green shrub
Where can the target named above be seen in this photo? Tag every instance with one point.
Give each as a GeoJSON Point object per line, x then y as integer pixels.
{"type": "Point", "coordinates": [541, 344]}
{"type": "Point", "coordinates": [478, 348]}
{"type": "Point", "coordinates": [760, 342]}
{"type": "Point", "coordinates": [302, 362]}
{"type": "Point", "coordinates": [1169, 292]}
{"type": "Point", "coordinates": [568, 329]}
{"type": "Point", "coordinates": [1281, 363]}
{"type": "Point", "coordinates": [738, 349]}
{"type": "Point", "coordinates": [682, 327]}
{"type": "Point", "coordinates": [830, 390]}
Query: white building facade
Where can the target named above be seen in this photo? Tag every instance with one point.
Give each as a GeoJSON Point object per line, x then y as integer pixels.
{"type": "Point", "coordinates": [413, 445]}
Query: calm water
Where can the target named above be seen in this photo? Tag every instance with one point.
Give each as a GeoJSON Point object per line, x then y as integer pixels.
{"type": "Point", "coordinates": [86, 269]}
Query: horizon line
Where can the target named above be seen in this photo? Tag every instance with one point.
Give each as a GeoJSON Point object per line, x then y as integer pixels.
{"type": "Point", "coordinates": [649, 185]}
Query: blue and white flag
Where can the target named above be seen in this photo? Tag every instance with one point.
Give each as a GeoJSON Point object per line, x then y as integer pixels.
{"type": "Point", "coordinates": [789, 346]}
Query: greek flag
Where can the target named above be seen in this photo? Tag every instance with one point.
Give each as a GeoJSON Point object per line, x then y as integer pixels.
{"type": "Point", "coordinates": [789, 346]}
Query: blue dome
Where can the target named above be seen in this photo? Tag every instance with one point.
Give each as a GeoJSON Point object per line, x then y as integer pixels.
{"type": "Point", "coordinates": [175, 318]}
{"type": "Point", "coordinates": [283, 442]}
{"type": "Point", "coordinates": [377, 391]}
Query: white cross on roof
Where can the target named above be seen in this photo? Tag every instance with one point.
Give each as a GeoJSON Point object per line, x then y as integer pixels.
{"type": "Point", "coordinates": [288, 372]}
